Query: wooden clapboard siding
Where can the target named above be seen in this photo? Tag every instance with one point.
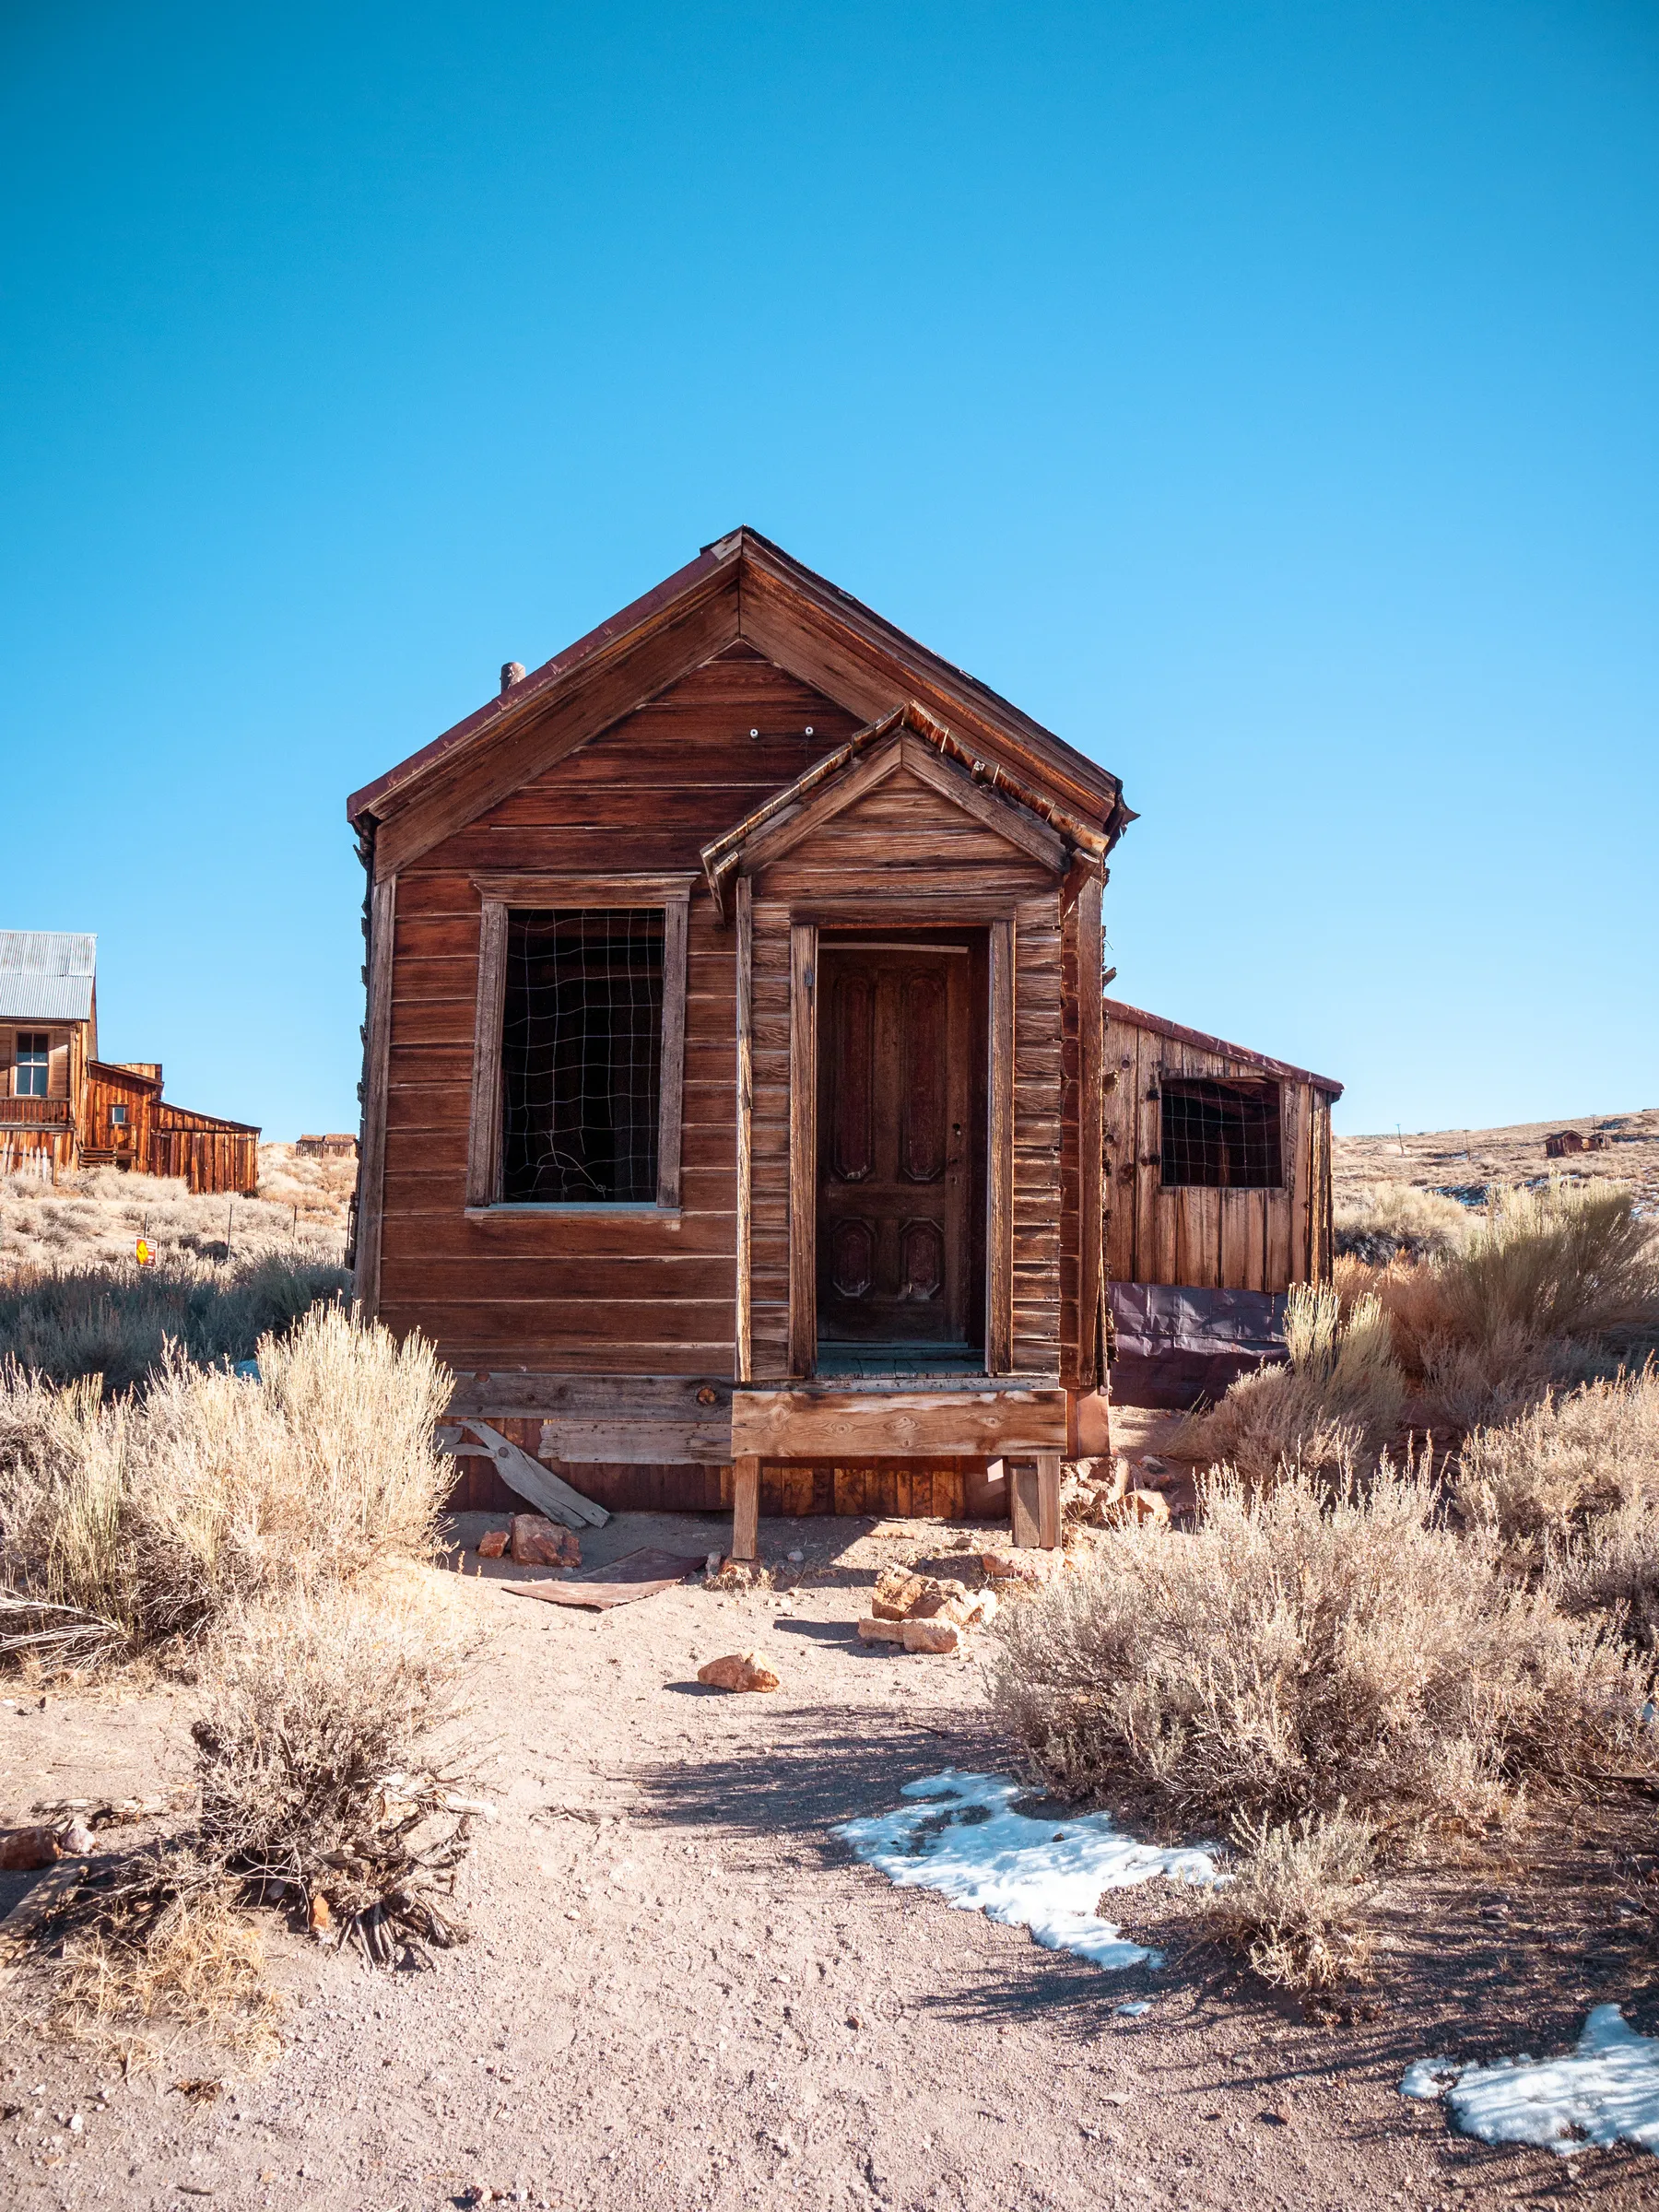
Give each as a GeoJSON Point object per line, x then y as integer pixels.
{"type": "Point", "coordinates": [635, 1292]}
{"type": "Point", "coordinates": [1262, 1239]}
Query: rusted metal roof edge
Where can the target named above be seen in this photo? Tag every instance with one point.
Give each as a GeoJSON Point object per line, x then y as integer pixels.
{"type": "Point", "coordinates": [191, 1119]}
{"type": "Point", "coordinates": [1118, 1010]}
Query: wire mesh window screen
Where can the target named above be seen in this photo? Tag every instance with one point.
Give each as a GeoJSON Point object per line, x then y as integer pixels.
{"type": "Point", "coordinates": [1224, 1135]}
{"type": "Point", "coordinates": [582, 1046]}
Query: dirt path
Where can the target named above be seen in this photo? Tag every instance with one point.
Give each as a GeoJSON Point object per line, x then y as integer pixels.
{"type": "Point", "coordinates": [684, 1991]}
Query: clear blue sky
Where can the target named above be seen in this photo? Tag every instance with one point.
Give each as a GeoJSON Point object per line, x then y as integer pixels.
{"type": "Point", "coordinates": [1264, 396]}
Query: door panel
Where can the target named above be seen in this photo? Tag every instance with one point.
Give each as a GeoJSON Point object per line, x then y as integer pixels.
{"type": "Point", "coordinates": [894, 1169]}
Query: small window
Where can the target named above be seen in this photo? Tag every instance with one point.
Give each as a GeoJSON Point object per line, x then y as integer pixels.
{"type": "Point", "coordinates": [33, 1063]}
{"type": "Point", "coordinates": [582, 1037]}
{"type": "Point", "coordinates": [579, 1049]}
{"type": "Point", "coordinates": [118, 1117]}
{"type": "Point", "coordinates": [1221, 1134]}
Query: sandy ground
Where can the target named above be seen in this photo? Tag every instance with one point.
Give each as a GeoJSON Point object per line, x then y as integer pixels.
{"type": "Point", "coordinates": [683, 1991]}
{"type": "Point", "coordinates": [1465, 1159]}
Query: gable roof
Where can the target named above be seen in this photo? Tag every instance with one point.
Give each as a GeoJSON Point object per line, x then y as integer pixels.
{"type": "Point", "coordinates": [46, 974]}
{"type": "Point", "coordinates": [740, 585]}
{"type": "Point", "coordinates": [908, 739]}
{"type": "Point", "coordinates": [1202, 1041]}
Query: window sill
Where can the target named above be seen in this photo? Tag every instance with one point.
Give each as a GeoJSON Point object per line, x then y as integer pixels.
{"type": "Point", "coordinates": [627, 1211]}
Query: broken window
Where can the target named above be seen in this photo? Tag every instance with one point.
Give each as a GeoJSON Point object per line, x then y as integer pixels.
{"type": "Point", "coordinates": [1221, 1134]}
{"type": "Point", "coordinates": [582, 1037]}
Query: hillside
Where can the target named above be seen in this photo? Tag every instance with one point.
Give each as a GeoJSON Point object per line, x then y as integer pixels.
{"type": "Point", "coordinates": [1465, 1162]}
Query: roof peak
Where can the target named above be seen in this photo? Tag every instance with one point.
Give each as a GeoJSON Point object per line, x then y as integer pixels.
{"type": "Point", "coordinates": [743, 561]}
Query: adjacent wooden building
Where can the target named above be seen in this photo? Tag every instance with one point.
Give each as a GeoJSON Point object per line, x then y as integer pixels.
{"type": "Point", "coordinates": [62, 1107]}
{"type": "Point", "coordinates": [734, 1065]}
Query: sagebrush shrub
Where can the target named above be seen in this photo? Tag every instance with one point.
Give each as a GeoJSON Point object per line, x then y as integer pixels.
{"type": "Point", "coordinates": [150, 1517]}
{"type": "Point", "coordinates": [1305, 1648]}
{"type": "Point", "coordinates": [1296, 1899]}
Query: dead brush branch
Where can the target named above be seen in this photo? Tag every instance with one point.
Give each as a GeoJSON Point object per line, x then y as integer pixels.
{"type": "Point", "coordinates": [1296, 1899]}
{"type": "Point", "coordinates": [308, 1767]}
{"type": "Point", "coordinates": [323, 1787]}
{"type": "Point", "coordinates": [1307, 1646]}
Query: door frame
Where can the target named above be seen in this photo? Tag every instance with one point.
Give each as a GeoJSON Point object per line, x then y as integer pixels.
{"type": "Point", "coordinates": [804, 927]}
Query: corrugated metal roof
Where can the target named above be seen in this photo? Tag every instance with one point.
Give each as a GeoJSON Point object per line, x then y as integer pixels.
{"type": "Point", "coordinates": [45, 997]}
{"type": "Point", "coordinates": [46, 974]}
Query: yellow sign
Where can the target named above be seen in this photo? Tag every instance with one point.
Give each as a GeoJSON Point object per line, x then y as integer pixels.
{"type": "Point", "coordinates": [146, 1258]}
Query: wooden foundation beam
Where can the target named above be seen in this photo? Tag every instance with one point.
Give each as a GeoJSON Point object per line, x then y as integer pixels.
{"type": "Point", "coordinates": [745, 1506]}
{"type": "Point", "coordinates": [1034, 1500]}
{"type": "Point", "coordinates": [1048, 1499]}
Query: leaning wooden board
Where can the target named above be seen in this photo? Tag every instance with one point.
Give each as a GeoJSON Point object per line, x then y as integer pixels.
{"type": "Point", "coordinates": [539, 1484]}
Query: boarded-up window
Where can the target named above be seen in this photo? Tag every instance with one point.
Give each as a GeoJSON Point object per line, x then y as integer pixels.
{"type": "Point", "coordinates": [580, 1056]}
{"type": "Point", "coordinates": [1221, 1134]}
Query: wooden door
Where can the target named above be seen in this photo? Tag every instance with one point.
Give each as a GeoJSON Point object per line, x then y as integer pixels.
{"type": "Point", "coordinates": [894, 1181]}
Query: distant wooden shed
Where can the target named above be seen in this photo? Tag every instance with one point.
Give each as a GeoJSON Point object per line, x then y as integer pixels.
{"type": "Point", "coordinates": [1218, 1198]}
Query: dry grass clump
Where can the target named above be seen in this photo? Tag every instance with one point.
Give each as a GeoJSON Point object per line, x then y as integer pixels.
{"type": "Point", "coordinates": [1545, 1288]}
{"type": "Point", "coordinates": [1548, 1286]}
{"type": "Point", "coordinates": [1381, 1222]}
{"type": "Point", "coordinates": [1302, 1650]}
{"type": "Point", "coordinates": [1588, 1452]}
{"type": "Point", "coordinates": [117, 1320]}
{"type": "Point", "coordinates": [144, 1520]}
{"type": "Point", "coordinates": [319, 1760]}
{"type": "Point", "coordinates": [1334, 1404]}
{"type": "Point", "coordinates": [1296, 1899]}
{"type": "Point", "coordinates": [192, 1960]}
{"type": "Point", "coordinates": [1570, 1492]}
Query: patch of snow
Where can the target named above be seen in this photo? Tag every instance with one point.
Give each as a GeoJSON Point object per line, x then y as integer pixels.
{"type": "Point", "coordinates": [960, 1836]}
{"type": "Point", "coordinates": [1606, 2091]}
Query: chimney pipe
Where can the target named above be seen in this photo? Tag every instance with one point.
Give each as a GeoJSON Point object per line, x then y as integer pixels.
{"type": "Point", "coordinates": [513, 672]}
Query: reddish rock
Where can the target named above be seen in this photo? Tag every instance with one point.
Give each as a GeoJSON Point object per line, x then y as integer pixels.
{"type": "Point", "coordinates": [738, 1670]}
{"type": "Point", "coordinates": [492, 1544]}
{"type": "Point", "coordinates": [936, 1636]}
{"type": "Point", "coordinates": [1021, 1566]}
{"type": "Point", "coordinates": [538, 1542]}
{"type": "Point", "coordinates": [1142, 1506]}
{"type": "Point", "coordinates": [937, 1597]}
{"type": "Point", "coordinates": [878, 1630]}
{"type": "Point", "coordinates": [23, 1850]}
{"type": "Point", "coordinates": [897, 1590]}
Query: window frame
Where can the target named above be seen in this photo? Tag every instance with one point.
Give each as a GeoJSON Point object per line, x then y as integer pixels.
{"type": "Point", "coordinates": [31, 1048]}
{"type": "Point", "coordinates": [498, 897]}
{"type": "Point", "coordinates": [1242, 1087]}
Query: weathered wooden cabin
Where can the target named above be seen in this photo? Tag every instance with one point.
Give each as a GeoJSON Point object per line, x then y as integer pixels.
{"type": "Point", "coordinates": [1217, 1198]}
{"type": "Point", "coordinates": [62, 1107]}
{"type": "Point", "coordinates": [733, 1062]}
